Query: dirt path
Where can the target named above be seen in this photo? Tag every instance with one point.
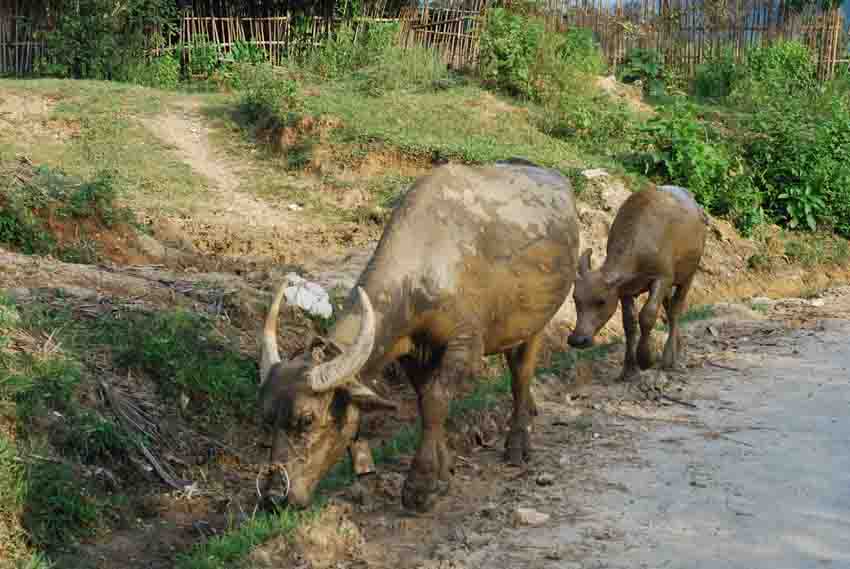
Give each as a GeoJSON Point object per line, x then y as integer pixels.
{"type": "Point", "coordinates": [744, 465]}
{"type": "Point", "coordinates": [758, 476]}
{"type": "Point", "coordinates": [183, 128]}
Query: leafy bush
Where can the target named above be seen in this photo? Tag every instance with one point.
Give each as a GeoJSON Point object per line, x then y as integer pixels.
{"type": "Point", "coordinates": [646, 66]}
{"type": "Point", "coordinates": [267, 98]}
{"type": "Point", "coordinates": [781, 69]}
{"type": "Point", "coordinates": [161, 72]}
{"type": "Point", "coordinates": [204, 57]}
{"type": "Point", "coordinates": [102, 39]}
{"type": "Point", "coordinates": [803, 162]}
{"type": "Point", "coordinates": [244, 52]}
{"type": "Point", "coordinates": [681, 149]}
{"type": "Point", "coordinates": [578, 49]}
{"type": "Point", "coordinates": [786, 65]}
{"type": "Point", "coordinates": [351, 48]}
{"type": "Point", "coordinates": [509, 47]}
{"type": "Point", "coordinates": [717, 77]}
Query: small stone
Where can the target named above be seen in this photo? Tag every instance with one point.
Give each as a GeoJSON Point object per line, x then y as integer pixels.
{"type": "Point", "coordinates": [545, 479]}
{"type": "Point", "coordinates": [565, 460]}
{"type": "Point", "coordinates": [488, 510]}
{"type": "Point", "coordinates": [817, 302]}
{"type": "Point", "coordinates": [529, 517]}
{"type": "Point", "coordinates": [554, 554]}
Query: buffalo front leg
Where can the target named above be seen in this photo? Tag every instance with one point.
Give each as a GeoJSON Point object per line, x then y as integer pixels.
{"type": "Point", "coordinates": [658, 291]}
{"type": "Point", "coordinates": [631, 370]}
{"type": "Point", "coordinates": [521, 361]}
{"type": "Point", "coordinates": [674, 309]}
{"type": "Point", "coordinates": [431, 471]}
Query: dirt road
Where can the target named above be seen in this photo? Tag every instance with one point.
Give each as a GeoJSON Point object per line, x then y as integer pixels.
{"type": "Point", "coordinates": [743, 462]}
{"type": "Point", "coordinates": [757, 476]}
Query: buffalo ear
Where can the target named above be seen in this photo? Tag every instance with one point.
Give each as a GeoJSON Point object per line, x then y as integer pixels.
{"type": "Point", "coordinates": [367, 399]}
{"type": "Point", "coordinates": [584, 263]}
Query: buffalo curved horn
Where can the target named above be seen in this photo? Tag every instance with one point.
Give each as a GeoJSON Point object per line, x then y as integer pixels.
{"type": "Point", "coordinates": [331, 374]}
{"type": "Point", "coordinates": [269, 355]}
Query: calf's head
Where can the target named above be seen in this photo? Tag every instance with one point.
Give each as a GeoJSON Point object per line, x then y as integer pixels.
{"type": "Point", "coordinates": [596, 295]}
{"type": "Point", "coordinates": [313, 403]}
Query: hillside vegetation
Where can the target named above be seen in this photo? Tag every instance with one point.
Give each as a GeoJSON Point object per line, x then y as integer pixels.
{"type": "Point", "coordinates": [231, 168]}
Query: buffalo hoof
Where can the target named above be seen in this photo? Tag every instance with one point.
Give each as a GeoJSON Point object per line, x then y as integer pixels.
{"type": "Point", "coordinates": [630, 375]}
{"type": "Point", "coordinates": [420, 495]}
{"type": "Point", "coordinates": [645, 356]}
{"type": "Point", "coordinates": [517, 447]}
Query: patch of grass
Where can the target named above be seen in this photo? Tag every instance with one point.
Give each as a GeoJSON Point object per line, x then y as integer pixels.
{"type": "Point", "coordinates": [693, 314]}
{"type": "Point", "coordinates": [40, 494]}
{"type": "Point", "coordinates": [184, 353]}
{"type": "Point", "coordinates": [464, 124]}
{"type": "Point", "coordinates": [230, 549]}
{"type": "Point", "coordinates": [567, 360]}
{"type": "Point", "coordinates": [817, 249]}
{"type": "Point", "coordinates": [58, 510]}
{"type": "Point", "coordinates": [103, 131]}
{"type": "Point", "coordinates": [38, 199]}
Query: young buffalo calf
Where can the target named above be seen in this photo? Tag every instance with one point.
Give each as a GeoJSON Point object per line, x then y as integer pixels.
{"type": "Point", "coordinates": [655, 244]}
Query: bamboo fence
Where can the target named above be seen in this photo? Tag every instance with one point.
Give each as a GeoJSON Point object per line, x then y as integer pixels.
{"type": "Point", "coordinates": [686, 32]}
{"type": "Point", "coordinates": [19, 47]}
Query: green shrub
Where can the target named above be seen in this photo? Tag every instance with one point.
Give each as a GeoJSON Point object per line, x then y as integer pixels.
{"type": "Point", "coordinates": [781, 69]}
{"type": "Point", "coordinates": [244, 52]}
{"type": "Point", "coordinates": [681, 149]}
{"type": "Point", "coordinates": [578, 49]}
{"type": "Point", "coordinates": [509, 47]}
{"type": "Point", "coordinates": [27, 205]}
{"type": "Point", "coordinates": [646, 66]}
{"type": "Point", "coordinates": [717, 77]}
{"type": "Point", "coordinates": [102, 39]}
{"type": "Point", "coordinates": [266, 97]}
{"type": "Point", "coordinates": [162, 72]}
{"type": "Point", "coordinates": [803, 162]}
{"type": "Point", "coordinates": [204, 57]}
{"type": "Point", "coordinates": [352, 48]}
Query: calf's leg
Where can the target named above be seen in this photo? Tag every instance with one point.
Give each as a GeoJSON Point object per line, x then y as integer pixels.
{"type": "Point", "coordinates": [674, 310]}
{"type": "Point", "coordinates": [430, 473]}
{"type": "Point", "coordinates": [631, 370]}
{"type": "Point", "coordinates": [521, 361]}
{"type": "Point", "coordinates": [658, 290]}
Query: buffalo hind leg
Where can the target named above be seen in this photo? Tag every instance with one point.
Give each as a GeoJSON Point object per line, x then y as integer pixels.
{"type": "Point", "coordinates": [658, 291]}
{"type": "Point", "coordinates": [431, 471]}
{"type": "Point", "coordinates": [674, 308]}
{"type": "Point", "coordinates": [521, 361]}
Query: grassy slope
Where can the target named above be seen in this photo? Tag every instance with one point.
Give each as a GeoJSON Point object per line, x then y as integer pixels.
{"type": "Point", "coordinates": [461, 123]}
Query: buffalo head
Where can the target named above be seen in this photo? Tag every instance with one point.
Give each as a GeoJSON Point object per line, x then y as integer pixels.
{"type": "Point", "coordinates": [313, 402]}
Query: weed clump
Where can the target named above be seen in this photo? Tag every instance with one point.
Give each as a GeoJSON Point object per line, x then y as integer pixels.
{"type": "Point", "coordinates": [38, 200]}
